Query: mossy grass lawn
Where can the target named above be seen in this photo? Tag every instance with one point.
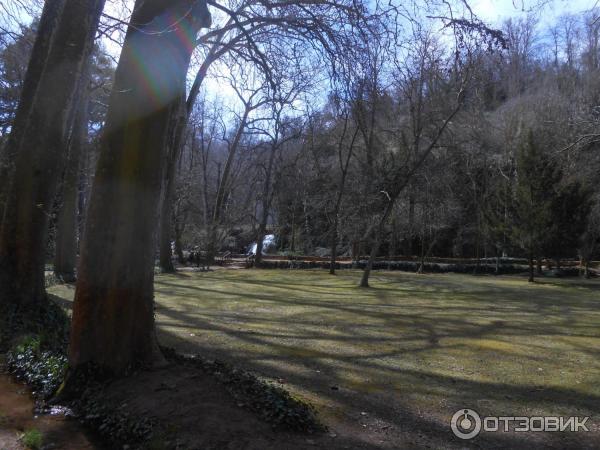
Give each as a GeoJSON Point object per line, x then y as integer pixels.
{"type": "Point", "coordinates": [401, 357]}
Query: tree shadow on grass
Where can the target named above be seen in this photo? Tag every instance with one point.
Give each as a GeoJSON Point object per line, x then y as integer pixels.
{"type": "Point", "coordinates": [386, 406]}
{"type": "Point", "coordinates": [281, 336]}
{"type": "Point", "coordinates": [395, 424]}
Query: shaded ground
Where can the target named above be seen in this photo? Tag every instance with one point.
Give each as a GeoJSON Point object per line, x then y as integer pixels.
{"type": "Point", "coordinates": [387, 367]}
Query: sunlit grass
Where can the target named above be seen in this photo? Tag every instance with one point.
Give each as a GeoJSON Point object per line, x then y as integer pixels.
{"type": "Point", "coordinates": [432, 343]}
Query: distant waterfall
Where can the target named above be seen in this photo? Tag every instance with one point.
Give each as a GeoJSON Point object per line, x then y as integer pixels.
{"type": "Point", "coordinates": [268, 243]}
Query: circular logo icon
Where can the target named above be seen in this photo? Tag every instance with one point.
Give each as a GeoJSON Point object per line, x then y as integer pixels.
{"type": "Point", "coordinates": [466, 424]}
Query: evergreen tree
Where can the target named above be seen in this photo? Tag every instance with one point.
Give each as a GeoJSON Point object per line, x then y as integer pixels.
{"type": "Point", "coordinates": [537, 179]}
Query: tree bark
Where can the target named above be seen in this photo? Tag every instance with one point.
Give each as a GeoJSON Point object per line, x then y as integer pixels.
{"type": "Point", "coordinates": [113, 314]}
{"type": "Point", "coordinates": [364, 282]}
{"type": "Point", "coordinates": [478, 246]}
{"type": "Point", "coordinates": [65, 259]}
{"type": "Point", "coordinates": [267, 194]}
{"type": "Point", "coordinates": [409, 251]}
{"type": "Point", "coordinates": [223, 186]}
{"type": "Point", "coordinates": [334, 241]}
{"type": "Point", "coordinates": [531, 274]}
{"type": "Point", "coordinates": [586, 272]}
{"type": "Point", "coordinates": [393, 243]}
{"type": "Point", "coordinates": [180, 123]}
{"type": "Point", "coordinates": [422, 254]}
{"type": "Point", "coordinates": [41, 154]}
{"type": "Point", "coordinates": [178, 244]}
{"type": "Point", "coordinates": [174, 147]}
{"type": "Point", "coordinates": [46, 31]}
{"type": "Point", "coordinates": [342, 185]}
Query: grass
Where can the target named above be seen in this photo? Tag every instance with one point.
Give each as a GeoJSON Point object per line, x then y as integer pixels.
{"type": "Point", "coordinates": [32, 439]}
{"type": "Point", "coordinates": [412, 348]}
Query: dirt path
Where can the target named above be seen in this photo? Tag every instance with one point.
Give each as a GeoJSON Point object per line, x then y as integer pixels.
{"type": "Point", "coordinates": [17, 416]}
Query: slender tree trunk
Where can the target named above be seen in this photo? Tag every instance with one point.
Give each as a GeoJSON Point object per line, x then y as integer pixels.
{"type": "Point", "coordinates": [165, 253]}
{"type": "Point", "coordinates": [344, 164]}
{"type": "Point", "coordinates": [113, 314]}
{"type": "Point", "coordinates": [355, 253]}
{"type": "Point", "coordinates": [65, 258]}
{"type": "Point", "coordinates": [392, 248]}
{"type": "Point", "coordinates": [531, 275]}
{"type": "Point", "coordinates": [586, 272]}
{"type": "Point", "coordinates": [411, 223]}
{"type": "Point", "coordinates": [259, 244]}
{"type": "Point", "coordinates": [223, 186]}
{"type": "Point", "coordinates": [426, 253]}
{"type": "Point", "coordinates": [178, 245]}
{"type": "Point", "coordinates": [41, 48]}
{"type": "Point", "coordinates": [334, 242]}
{"type": "Point", "coordinates": [174, 149]}
{"type": "Point", "coordinates": [293, 242]}
{"type": "Point", "coordinates": [422, 257]}
{"type": "Point", "coordinates": [478, 246]}
{"type": "Point", "coordinates": [364, 282]}
{"type": "Point", "coordinates": [41, 154]}
{"type": "Point", "coordinates": [262, 228]}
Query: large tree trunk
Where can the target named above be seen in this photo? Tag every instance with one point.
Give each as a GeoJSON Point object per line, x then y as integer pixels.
{"type": "Point", "coordinates": [65, 258]}
{"type": "Point", "coordinates": [41, 154]}
{"type": "Point", "coordinates": [46, 31]}
{"type": "Point", "coordinates": [113, 314]}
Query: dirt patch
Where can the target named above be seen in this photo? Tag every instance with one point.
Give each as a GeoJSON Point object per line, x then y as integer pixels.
{"type": "Point", "coordinates": [192, 410]}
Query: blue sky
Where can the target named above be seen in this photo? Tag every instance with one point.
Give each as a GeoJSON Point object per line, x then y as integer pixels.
{"type": "Point", "coordinates": [494, 11]}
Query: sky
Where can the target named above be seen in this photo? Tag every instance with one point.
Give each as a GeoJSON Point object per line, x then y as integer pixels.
{"type": "Point", "coordinates": [492, 12]}
{"type": "Point", "coordinates": [495, 11]}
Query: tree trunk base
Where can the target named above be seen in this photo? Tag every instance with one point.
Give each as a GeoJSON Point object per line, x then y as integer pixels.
{"type": "Point", "coordinates": [168, 269]}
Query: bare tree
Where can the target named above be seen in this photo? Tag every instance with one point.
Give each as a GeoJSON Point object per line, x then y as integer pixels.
{"type": "Point", "coordinates": [113, 317]}
{"type": "Point", "coordinates": [40, 150]}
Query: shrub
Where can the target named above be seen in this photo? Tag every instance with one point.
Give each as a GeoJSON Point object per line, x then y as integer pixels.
{"type": "Point", "coordinates": [32, 439]}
